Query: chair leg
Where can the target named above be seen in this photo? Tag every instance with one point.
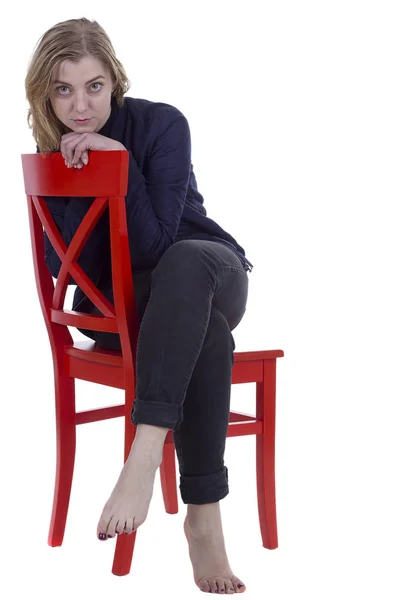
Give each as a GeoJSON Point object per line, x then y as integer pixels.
{"type": "Point", "coordinates": [125, 543]}
{"type": "Point", "coordinates": [265, 456]}
{"type": "Point", "coordinates": [123, 554]}
{"type": "Point", "coordinates": [168, 479]}
{"type": "Point", "coordinates": [66, 442]}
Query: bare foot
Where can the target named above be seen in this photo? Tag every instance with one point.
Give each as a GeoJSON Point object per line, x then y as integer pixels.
{"type": "Point", "coordinates": [128, 505]}
{"type": "Point", "coordinates": [211, 569]}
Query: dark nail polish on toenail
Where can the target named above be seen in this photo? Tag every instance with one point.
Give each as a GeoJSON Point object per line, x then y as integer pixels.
{"type": "Point", "coordinates": [240, 585]}
{"type": "Point", "coordinates": [109, 536]}
{"type": "Point", "coordinates": [102, 536]}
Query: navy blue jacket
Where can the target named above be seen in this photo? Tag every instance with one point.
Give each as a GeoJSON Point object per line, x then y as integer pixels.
{"type": "Point", "coordinates": [163, 204]}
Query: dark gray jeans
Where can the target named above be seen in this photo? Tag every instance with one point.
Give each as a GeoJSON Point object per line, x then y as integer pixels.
{"type": "Point", "coordinates": [188, 306]}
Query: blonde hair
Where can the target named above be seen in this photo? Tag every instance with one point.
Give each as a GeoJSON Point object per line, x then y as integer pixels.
{"type": "Point", "coordinates": [69, 40]}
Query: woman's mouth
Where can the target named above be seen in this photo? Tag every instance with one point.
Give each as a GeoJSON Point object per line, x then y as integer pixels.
{"type": "Point", "coordinates": [82, 121]}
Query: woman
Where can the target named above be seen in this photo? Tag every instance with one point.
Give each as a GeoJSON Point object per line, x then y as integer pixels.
{"type": "Point", "coordinates": [190, 281]}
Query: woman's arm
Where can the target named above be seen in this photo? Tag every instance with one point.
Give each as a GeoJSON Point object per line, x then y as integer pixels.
{"type": "Point", "coordinates": [155, 200]}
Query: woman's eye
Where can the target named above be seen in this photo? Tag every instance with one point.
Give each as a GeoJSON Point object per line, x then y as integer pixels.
{"type": "Point", "coordinates": [64, 87]}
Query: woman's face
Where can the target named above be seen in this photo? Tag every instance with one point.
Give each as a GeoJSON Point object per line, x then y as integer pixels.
{"type": "Point", "coordinates": [82, 91]}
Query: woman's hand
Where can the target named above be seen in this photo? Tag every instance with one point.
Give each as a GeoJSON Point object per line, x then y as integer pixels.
{"type": "Point", "coordinates": [75, 146]}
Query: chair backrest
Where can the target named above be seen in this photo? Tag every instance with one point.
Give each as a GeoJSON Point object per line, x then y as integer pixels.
{"type": "Point", "coordinates": [106, 179]}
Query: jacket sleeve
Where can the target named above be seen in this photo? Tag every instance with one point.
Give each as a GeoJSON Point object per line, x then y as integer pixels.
{"type": "Point", "coordinates": [68, 213]}
{"type": "Point", "coordinates": [155, 199]}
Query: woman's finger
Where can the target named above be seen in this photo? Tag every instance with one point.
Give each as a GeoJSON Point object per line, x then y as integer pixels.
{"type": "Point", "coordinates": [68, 148]}
{"type": "Point", "coordinates": [77, 150]}
{"type": "Point", "coordinates": [76, 156]}
{"type": "Point", "coordinates": [80, 158]}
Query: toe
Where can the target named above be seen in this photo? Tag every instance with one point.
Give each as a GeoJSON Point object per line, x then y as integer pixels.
{"type": "Point", "coordinates": [238, 585]}
{"type": "Point", "coordinates": [111, 532]}
{"type": "Point", "coordinates": [213, 586]}
{"type": "Point", "coordinates": [220, 586]}
{"type": "Point", "coordinates": [128, 526]}
{"type": "Point", "coordinates": [204, 585]}
{"type": "Point", "coordinates": [229, 589]}
{"type": "Point", "coordinates": [103, 526]}
{"type": "Point", "coordinates": [120, 526]}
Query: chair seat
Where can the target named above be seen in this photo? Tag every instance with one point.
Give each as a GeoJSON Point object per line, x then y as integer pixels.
{"type": "Point", "coordinates": [248, 368]}
{"type": "Point", "coordinates": [91, 351]}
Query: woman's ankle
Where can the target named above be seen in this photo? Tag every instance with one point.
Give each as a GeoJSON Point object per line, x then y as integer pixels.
{"type": "Point", "coordinates": [203, 516]}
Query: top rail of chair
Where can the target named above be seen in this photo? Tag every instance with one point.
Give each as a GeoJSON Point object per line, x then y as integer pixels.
{"type": "Point", "coordinates": [106, 174]}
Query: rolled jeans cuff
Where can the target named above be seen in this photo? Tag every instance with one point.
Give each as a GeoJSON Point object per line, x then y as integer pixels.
{"type": "Point", "coordinates": [161, 414]}
{"type": "Point", "coordinates": [204, 489]}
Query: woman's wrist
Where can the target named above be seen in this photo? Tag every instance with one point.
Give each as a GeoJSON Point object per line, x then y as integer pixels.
{"type": "Point", "coordinates": [117, 146]}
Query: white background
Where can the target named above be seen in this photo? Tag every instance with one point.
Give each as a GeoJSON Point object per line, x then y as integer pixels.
{"type": "Point", "coordinates": [294, 116]}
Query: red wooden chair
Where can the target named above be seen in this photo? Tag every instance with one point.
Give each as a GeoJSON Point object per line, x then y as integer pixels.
{"type": "Point", "coordinates": [106, 179]}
